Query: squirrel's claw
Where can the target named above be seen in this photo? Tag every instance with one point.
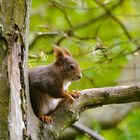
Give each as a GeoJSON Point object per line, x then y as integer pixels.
{"type": "Point", "coordinates": [47, 119]}
{"type": "Point", "coordinates": [70, 95]}
{"type": "Point", "coordinates": [70, 100]}
{"type": "Point", "coordinates": [74, 93]}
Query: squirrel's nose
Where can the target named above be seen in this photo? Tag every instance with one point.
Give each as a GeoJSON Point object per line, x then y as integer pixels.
{"type": "Point", "coordinates": [80, 76]}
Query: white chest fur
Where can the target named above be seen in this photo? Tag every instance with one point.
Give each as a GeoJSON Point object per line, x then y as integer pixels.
{"type": "Point", "coordinates": [51, 103]}
{"type": "Point", "coordinates": [66, 84]}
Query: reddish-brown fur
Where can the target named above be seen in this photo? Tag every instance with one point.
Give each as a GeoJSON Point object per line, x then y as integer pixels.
{"type": "Point", "coordinates": [47, 83]}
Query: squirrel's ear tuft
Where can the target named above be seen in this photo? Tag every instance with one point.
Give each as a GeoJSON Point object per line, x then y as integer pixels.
{"type": "Point", "coordinates": [66, 52]}
{"type": "Point", "coordinates": [58, 52]}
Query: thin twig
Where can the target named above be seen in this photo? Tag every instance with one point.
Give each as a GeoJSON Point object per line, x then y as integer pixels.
{"type": "Point", "coordinates": [64, 13]}
{"type": "Point", "coordinates": [41, 35]}
{"type": "Point", "coordinates": [114, 18]}
{"type": "Point", "coordinates": [84, 129]}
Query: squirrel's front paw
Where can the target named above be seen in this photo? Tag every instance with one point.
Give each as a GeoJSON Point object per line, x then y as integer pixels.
{"type": "Point", "coordinates": [47, 119]}
{"type": "Point", "coordinates": [70, 100]}
{"type": "Point", "coordinates": [74, 93]}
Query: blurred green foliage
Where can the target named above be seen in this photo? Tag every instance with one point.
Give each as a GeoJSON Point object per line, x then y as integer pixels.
{"type": "Point", "coordinates": [128, 129]}
{"type": "Point", "coordinates": [102, 37]}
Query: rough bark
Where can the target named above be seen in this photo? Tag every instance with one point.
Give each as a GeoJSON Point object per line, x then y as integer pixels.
{"type": "Point", "coordinates": [13, 62]}
{"type": "Point", "coordinates": [4, 93]}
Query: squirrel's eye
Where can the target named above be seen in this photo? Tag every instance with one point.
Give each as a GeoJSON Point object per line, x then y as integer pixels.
{"type": "Point", "coordinates": [71, 66]}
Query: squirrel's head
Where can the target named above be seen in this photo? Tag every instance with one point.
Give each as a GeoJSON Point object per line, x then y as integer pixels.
{"type": "Point", "coordinates": [69, 68]}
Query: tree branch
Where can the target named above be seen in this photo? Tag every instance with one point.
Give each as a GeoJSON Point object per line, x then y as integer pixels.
{"type": "Point", "coordinates": [65, 115]}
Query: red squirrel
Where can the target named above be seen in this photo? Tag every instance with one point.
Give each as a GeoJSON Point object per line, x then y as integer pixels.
{"type": "Point", "coordinates": [49, 83]}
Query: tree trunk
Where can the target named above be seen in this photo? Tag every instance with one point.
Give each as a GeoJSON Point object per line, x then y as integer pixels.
{"type": "Point", "coordinates": [13, 69]}
{"type": "Point", "coordinates": [4, 93]}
